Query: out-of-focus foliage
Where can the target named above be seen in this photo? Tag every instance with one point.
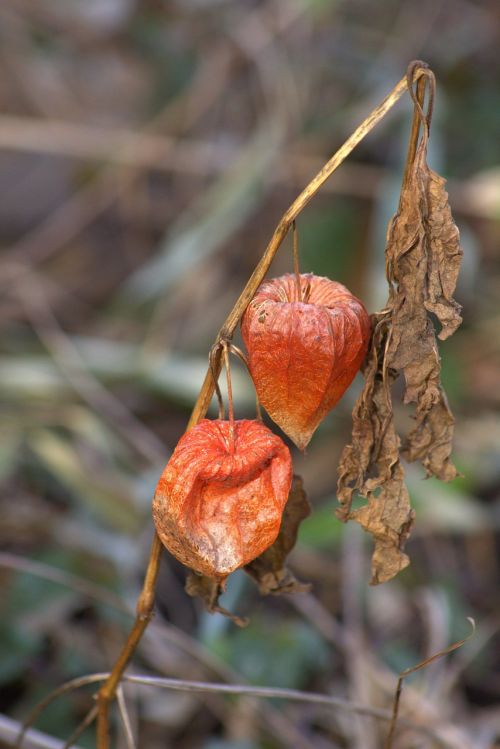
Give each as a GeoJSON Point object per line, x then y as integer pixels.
{"type": "Point", "coordinates": [147, 150]}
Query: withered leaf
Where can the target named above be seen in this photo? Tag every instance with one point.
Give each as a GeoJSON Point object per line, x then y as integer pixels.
{"type": "Point", "coordinates": [370, 465]}
{"type": "Point", "coordinates": [209, 589]}
{"type": "Point", "coordinates": [423, 258]}
{"type": "Point", "coordinates": [269, 570]}
{"type": "Point", "coordinates": [444, 258]}
{"type": "Point", "coordinates": [389, 518]}
{"type": "Point", "coordinates": [425, 279]}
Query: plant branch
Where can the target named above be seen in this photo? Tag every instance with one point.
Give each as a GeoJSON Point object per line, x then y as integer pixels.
{"type": "Point", "coordinates": [145, 604]}
{"type": "Point", "coordinates": [33, 739]}
{"type": "Point", "coordinates": [296, 265]}
{"type": "Point", "coordinates": [245, 690]}
{"type": "Point", "coordinates": [68, 686]}
{"type": "Point", "coordinates": [402, 676]}
{"type": "Point", "coordinates": [127, 726]}
{"type": "Point", "coordinates": [424, 80]}
{"type": "Point", "coordinates": [242, 357]}
{"type": "Point", "coordinates": [230, 407]}
{"type": "Point", "coordinates": [85, 723]}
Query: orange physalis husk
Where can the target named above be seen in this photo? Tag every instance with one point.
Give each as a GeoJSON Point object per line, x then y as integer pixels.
{"type": "Point", "coordinates": [219, 501]}
{"type": "Point", "coordinates": [303, 351]}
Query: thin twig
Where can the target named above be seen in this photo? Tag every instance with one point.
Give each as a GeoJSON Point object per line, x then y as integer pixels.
{"type": "Point", "coordinates": [233, 349]}
{"type": "Point", "coordinates": [242, 357]}
{"type": "Point", "coordinates": [295, 695]}
{"type": "Point", "coordinates": [68, 686]}
{"type": "Point", "coordinates": [230, 406]}
{"type": "Point", "coordinates": [488, 629]}
{"type": "Point", "coordinates": [33, 739]}
{"type": "Point", "coordinates": [127, 727]}
{"type": "Point", "coordinates": [426, 80]}
{"type": "Point", "coordinates": [85, 723]}
{"type": "Point", "coordinates": [220, 402]}
{"type": "Point", "coordinates": [402, 676]}
{"type": "Point", "coordinates": [144, 612]}
{"type": "Point", "coordinates": [296, 264]}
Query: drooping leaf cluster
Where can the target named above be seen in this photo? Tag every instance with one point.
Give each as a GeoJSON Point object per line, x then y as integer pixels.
{"type": "Point", "coordinates": [423, 258]}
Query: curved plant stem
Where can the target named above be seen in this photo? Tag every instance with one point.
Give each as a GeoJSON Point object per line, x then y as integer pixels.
{"type": "Point", "coordinates": [426, 80]}
{"type": "Point", "coordinates": [215, 377]}
{"type": "Point", "coordinates": [230, 407]}
{"type": "Point", "coordinates": [246, 690]}
{"type": "Point", "coordinates": [68, 686]}
{"type": "Point", "coordinates": [145, 604]}
{"type": "Point", "coordinates": [107, 692]}
{"type": "Point", "coordinates": [402, 676]}
{"type": "Point", "coordinates": [85, 723]}
{"type": "Point", "coordinates": [241, 356]}
{"type": "Point", "coordinates": [296, 260]}
{"type": "Point", "coordinates": [127, 727]}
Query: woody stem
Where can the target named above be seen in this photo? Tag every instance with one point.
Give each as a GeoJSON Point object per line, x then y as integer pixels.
{"type": "Point", "coordinates": [215, 376]}
{"type": "Point", "coordinates": [230, 408]}
{"type": "Point", "coordinates": [144, 611]}
{"type": "Point", "coordinates": [426, 79]}
{"type": "Point", "coordinates": [296, 260]}
{"type": "Point", "coordinates": [242, 357]}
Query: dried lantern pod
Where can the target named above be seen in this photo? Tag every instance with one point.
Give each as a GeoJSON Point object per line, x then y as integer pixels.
{"type": "Point", "coordinates": [306, 338]}
{"type": "Point", "coordinates": [219, 502]}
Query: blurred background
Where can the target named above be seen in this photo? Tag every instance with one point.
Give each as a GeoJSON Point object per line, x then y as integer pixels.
{"type": "Point", "coordinates": [147, 151]}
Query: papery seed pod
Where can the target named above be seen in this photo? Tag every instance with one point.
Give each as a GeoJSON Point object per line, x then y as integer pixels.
{"type": "Point", "coordinates": [219, 501]}
{"type": "Point", "coordinates": [303, 351]}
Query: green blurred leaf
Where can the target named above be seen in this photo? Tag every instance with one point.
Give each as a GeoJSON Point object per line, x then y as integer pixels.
{"type": "Point", "coordinates": [109, 496]}
{"type": "Point", "coordinates": [445, 507]}
{"type": "Point", "coordinates": [282, 656]}
{"type": "Point", "coordinates": [17, 650]}
{"type": "Point", "coordinates": [321, 529]}
{"type": "Point", "coordinates": [328, 238]}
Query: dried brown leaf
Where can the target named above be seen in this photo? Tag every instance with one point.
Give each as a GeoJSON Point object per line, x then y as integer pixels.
{"type": "Point", "coordinates": [389, 518]}
{"type": "Point", "coordinates": [425, 280]}
{"type": "Point", "coordinates": [269, 570]}
{"type": "Point", "coordinates": [423, 258]}
{"type": "Point", "coordinates": [209, 589]}
{"type": "Point", "coordinates": [370, 466]}
{"type": "Point", "coordinates": [444, 258]}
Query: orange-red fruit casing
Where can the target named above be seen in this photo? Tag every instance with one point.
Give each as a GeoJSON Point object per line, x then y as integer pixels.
{"type": "Point", "coordinates": [218, 504]}
{"type": "Point", "coordinates": [303, 355]}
